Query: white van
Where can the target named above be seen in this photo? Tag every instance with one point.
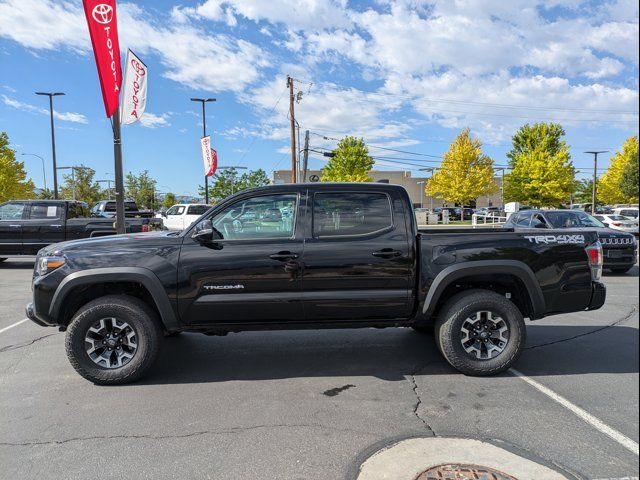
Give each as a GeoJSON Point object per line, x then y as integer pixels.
{"type": "Point", "coordinates": [182, 215]}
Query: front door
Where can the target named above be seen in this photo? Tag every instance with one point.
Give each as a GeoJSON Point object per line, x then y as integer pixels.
{"type": "Point", "coordinates": [254, 273]}
{"type": "Point", "coordinates": [44, 226]}
{"type": "Point", "coordinates": [358, 261]}
{"type": "Point", "coordinates": [11, 221]}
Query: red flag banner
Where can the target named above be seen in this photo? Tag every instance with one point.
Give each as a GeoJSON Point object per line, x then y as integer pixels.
{"type": "Point", "coordinates": [214, 163]}
{"type": "Point", "coordinates": [103, 28]}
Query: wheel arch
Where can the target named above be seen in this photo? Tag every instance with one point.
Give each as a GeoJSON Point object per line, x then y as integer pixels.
{"type": "Point", "coordinates": [507, 270]}
{"type": "Point", "coordinates": [113, 277]}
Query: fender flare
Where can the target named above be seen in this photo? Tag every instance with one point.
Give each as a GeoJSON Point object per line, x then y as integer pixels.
{"type": "Point", "coordinates": [114, 275]}
{"type": "Point", "coordinates": [493, 267]}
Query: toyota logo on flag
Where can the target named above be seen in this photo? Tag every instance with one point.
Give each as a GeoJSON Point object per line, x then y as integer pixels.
{"type": "Point", "coordinates": [102, 13]}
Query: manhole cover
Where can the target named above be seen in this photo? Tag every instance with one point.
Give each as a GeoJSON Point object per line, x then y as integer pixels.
{"type": "Point", "coordinates": [463, 472]}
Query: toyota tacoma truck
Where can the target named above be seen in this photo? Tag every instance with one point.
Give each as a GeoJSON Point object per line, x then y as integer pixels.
{"type": "Point", "coordinates": [26, 226]}
{"type": "Point", "coordinates": [336, 256]}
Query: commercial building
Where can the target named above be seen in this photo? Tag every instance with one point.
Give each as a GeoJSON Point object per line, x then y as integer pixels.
{"type": "Point", "coordinates": [413, 185]}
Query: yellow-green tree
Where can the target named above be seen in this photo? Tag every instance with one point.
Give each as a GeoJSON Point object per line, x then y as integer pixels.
{"type": "Point", "coordinates": [350, 162]}
{"type": "Point", "coordinates": [609, 186]}
{"type": "Point", "coordinates": [13, 178]}
{"type": "Point", "coordinates": [541, 178]}
{"type": "Point", "coordinates": [465, 173]}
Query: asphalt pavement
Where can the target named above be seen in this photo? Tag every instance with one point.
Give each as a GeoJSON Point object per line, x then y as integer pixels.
{"type": "Point", "coordinates": [316, 404]}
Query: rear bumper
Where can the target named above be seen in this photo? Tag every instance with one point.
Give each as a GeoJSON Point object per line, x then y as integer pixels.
{"type": "Point", "coordinates": [598, 295]}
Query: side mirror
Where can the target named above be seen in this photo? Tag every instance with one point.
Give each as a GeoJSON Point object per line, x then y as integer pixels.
{"type": "Point", "coordinates": [204, 232]}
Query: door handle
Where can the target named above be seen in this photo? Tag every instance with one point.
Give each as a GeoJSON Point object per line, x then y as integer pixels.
{"type": "Point", "coordinates": [387, 253]}
{"type": "Point", "coordinates": [283, 256]}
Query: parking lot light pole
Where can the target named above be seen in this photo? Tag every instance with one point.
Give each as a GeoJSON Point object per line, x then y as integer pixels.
{"type": "Point", "coordinates": [595, 179]}
{"type": "Point", "coordinates": [421, 193]}
{"type": "Point", "coordinates": [204, 134]}
{"type": "Point", "coordinates": [44, 173]}
{"type": "Point", "coordinates": [430, 169]}
{"type": "Point", "coordinates": [73, 176]}
{"type": "Point", "coordinates": [53, 139]}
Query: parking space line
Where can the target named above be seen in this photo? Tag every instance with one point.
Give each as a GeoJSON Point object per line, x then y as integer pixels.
{"type": "Point", "coordinates": [13, 325]}
{"type": "Point", "coordinates": [626, 442]}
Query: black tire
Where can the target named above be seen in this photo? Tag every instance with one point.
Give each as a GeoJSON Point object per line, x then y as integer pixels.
{"type": "Point", "coordinates": [621, 270]}
{"type": "Point", "coordinates": [131, 310]}
{"type": "Point", "coordinates": [448, 334]}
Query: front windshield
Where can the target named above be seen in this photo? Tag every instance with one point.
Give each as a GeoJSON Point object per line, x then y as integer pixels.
{"type": "Point", "coordinates": [559, 219]}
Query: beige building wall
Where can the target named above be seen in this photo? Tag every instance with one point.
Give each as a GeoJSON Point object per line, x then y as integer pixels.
{"type": "Point", "coordinates": [413, 185]}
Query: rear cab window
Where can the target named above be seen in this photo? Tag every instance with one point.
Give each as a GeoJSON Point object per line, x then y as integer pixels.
{"type": "Point", "coordinates": [345, 214]}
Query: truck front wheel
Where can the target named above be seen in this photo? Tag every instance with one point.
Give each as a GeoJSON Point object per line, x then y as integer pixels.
{"type": "Point", "coordinates": [113, 339]}
{"type": "Point", "coordinates": [480, 332]}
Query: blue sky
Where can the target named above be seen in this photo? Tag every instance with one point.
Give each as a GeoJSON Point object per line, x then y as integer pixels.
{"type": "Point", "coordinates": [405, 75]}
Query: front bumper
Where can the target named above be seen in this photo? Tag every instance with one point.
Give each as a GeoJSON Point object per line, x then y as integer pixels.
{"type": "Point", "coordinates": [31, 315]}
{"type": "Point", "coordinates": [598, 295]}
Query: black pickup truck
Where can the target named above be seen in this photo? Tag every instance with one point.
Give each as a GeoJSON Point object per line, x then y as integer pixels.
{"type": "Point", "coordinates": [337, 256]}
{"type": "Point", "coordinates": [107, 208]}
{"type": "Point", "coordinates": [26, 226]}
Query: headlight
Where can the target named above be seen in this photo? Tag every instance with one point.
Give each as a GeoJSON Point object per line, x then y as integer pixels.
{"type": "Point", "coordinates": [48, 264]}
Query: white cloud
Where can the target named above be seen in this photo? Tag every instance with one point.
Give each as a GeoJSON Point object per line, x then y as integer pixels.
{"type": "Point", "coordinates": [149, 120]}
{"type": "Point", "coordinates": [27, 107]}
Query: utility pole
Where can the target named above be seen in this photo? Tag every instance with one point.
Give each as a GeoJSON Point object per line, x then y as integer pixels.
{"type": "Point", "coordinates": [204, 134]}
{"type": "Point", "coordinates": [305, 156]}
{"type": "Point", "coordinates": [53, 139]}
{"type": "Point", "coordinates": [595, 178]}
{"type": "Point", "coordinates": [292, 118]}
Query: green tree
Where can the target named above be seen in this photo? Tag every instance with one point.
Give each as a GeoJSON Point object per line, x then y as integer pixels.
{"type": "Point", "coordinates": [141, 189]}
{"type": "Point", "coordinates": [46, 194]}
{"type": "Point", "coordinates": [544, 136]}
{"type": "Point", "coordinates": [350, 162]}
{"type": "Point", "coordinates": [610, 185]}
{"type": "Point", "coordinates": [629, 180]}
{"type": "Point", "coordinates": [169, 200]}
{"type": "Point", "coordinates": [82, 185]}
{"type": "Point", "coordinates": [13, 177]}
{"type": "Point", "coordinates": [252, 179]}
{"type": "Point", "coordinates": [541, 178]}
{"type": "Point", "coordinates": [583, 192]}
{"type": "Point", "coordinates": [465, 173]}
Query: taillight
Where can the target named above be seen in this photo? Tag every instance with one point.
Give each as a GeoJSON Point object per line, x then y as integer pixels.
{"type": "Point", "coordinates": [616, 224]}
{"type": "Point", "coordinates": [146, 228]}
{"type": "Point", "coordinates": [596, 259]}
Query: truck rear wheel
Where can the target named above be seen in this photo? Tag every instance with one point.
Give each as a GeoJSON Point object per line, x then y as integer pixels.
{"type": "Point", "coordinates": [113, 339]}
{"type": "Point", "coordinates": [480, 332]}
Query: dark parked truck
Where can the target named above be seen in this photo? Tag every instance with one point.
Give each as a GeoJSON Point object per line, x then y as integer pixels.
{"type": "Point", "coordinates": [26, 226]}
{"type": "Point", "coordinates": [620, 249]}
{"type": "Point", "coordinates": [336, 256]}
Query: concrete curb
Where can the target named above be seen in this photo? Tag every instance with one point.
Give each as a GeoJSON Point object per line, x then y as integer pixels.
{"type": "Point", "coordinates": [406, 458]}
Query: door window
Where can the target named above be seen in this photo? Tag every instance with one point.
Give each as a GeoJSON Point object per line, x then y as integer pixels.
{"type": "Point", "coordinates": [176, 210]}
{"type": "Point", "coordinates": [538, 221]}
{"type": "Point", "coordinates": [44, 212]}
{"type": "Point", "coordinates": [197, 209]}
{"type": "Point", "coordinates": [347, 214]}
{"type": "Point", "coordinates": [264, 217]}
{"type": "Point", "coordinates": [11, 211]}
{"type": "Point", "coordinates": [523, 220]}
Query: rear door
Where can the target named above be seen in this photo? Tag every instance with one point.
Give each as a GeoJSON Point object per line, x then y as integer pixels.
{"type": "Point", "coordinates": [358, 258]}
{"type": "Point", "coordinates": [11, 221]}
{"type": "Point", "coordinates": [44, 225]}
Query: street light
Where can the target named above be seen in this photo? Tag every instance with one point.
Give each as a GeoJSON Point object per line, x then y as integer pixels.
{"type": "Point", "coordinates": [421, 193]}
{"type": "Point", "coordinates": [501, 185]}
{"type": "Point", "coordinates": [53, 139]}
{"type": "Point", "coordinates": [204, 134]}
{"type": "Point", "coordinates": [44, 174]}
{"type": "Point", "coordinates": [73, 177]}
{"type": "Point", "coordinates": [430, 169]}
{"type": "Point", "coordinates": [595, 178]}
{"type": "Point", "coordinates": [108, 182]}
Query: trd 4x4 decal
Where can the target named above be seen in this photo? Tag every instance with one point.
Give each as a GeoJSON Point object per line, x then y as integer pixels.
{"type": "Point", "coordinates": [560, 239]}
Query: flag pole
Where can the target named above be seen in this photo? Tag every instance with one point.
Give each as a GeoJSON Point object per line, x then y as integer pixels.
{"type": "Point", "coordinates": [117, 156]}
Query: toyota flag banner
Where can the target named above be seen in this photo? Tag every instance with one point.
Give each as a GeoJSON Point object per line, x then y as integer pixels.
{"type": "Point", "coordinates": [134, 92]}
{"type": "Point", "coordinates": [103, 28]}
{"type": "Point", "coordinates": [209, 156]}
